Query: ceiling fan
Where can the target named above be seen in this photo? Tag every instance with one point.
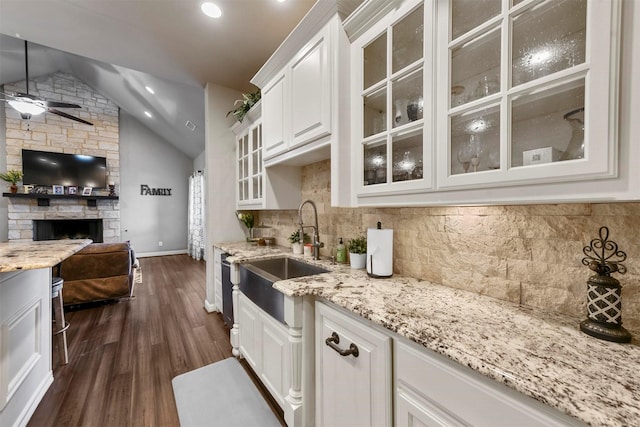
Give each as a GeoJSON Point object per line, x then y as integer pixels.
{"type": "Point", "coordinates": [29, 105]}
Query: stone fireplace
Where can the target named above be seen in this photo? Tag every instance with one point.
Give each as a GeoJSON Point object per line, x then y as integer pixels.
{"type": "Point", "coordinates": [49, 132]}
{"type": "Point", "coordinates": [56, 229]}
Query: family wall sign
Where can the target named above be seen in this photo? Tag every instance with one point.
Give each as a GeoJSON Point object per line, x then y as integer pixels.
{"type": "Point", "coordinates": [145, 190]}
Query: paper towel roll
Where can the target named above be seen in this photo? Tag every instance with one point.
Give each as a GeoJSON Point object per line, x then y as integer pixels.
{"type": "Point", "coordinates": [380, 252]}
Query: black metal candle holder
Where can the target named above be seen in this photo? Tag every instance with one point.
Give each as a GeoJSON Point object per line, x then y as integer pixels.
{"type": "Point", "coordinates": [604, 300]}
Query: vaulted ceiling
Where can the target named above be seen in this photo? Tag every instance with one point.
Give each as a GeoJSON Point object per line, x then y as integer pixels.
{"type": "Point", "coordinates": [119, 47]}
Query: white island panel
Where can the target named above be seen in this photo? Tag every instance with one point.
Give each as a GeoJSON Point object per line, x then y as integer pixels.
{"type": "Point", "coordinates": [25, 343]}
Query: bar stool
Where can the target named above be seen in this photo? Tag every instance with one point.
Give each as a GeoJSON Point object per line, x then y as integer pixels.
{"type": "Point", "coordinates": [58, 313]}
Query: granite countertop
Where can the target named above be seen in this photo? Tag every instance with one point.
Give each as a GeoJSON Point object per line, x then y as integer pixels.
{"type": "Point", "coordinates": [29, 255]}
{"type": "Point", "coordinates": [540, 354]}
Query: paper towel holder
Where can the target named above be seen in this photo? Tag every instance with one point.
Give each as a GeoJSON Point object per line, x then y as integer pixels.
{"type": "Point", "coordinates": [376, 276]}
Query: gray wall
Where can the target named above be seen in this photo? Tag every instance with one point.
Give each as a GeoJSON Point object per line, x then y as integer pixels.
{"type": "Point", "coordinates": [145, 158]}
{"type": "Point", "coordinates": [199, 162]}
{"type": "Point", "coordinates": [4, 226]}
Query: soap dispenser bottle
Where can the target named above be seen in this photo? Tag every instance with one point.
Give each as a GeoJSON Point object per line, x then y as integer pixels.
{"type": "Point", "coordinates": [341, 252]}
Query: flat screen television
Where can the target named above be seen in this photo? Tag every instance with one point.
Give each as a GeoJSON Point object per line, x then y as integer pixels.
{"type": "Point", "coordinates": [45, 168]}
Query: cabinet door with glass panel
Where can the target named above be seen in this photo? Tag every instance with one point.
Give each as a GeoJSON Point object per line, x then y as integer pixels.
{"type": "Point", "coordinates": [391, 84]}
{"type": "Point", "coordinates": [526, 91]}
{"type": "Point", "coordinates": [249, 167]}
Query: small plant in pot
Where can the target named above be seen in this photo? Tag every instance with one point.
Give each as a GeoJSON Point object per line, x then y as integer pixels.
{"type": "Point", "coordinates": [296, 243]}
{"type": "Point", "coordinates": [242, 106]}
{"type": "Point", "coordinates": [13, 176]}
{"type": "Point", "coordinates": [357, 248]}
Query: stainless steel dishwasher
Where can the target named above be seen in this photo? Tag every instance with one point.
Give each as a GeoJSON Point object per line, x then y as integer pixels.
{"type": "Point", "coordinates": [227, 292]}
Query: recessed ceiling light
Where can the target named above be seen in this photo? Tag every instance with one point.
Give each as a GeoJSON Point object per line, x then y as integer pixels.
{"type": "Point", "coordinates": [211, 9]}
{"type": "Point", "coordinates": [150, 90]}
{"type": "Point", "coordinates": [148, 114]}
{"type": "Point", "coordinates": [281, 1]}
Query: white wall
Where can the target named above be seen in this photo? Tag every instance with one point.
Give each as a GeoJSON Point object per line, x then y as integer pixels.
{"type": "Point", "coordinates": [200, 162]}
{"type": "Point", "coordinates": [222, 224]}
{"type": "Point", "coordinates": [4, 218]}
{"type": "Point", "coordinates": [145, 158]}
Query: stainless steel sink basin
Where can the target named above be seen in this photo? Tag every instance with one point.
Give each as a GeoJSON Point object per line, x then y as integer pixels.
{"type": "Point", "coordinates": [257, 277]}
{"type": "Point", "coordinates": [283, 268]}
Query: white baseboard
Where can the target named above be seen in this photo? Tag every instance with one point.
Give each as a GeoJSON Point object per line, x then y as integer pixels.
{"type": "Point", "coordinates": [163, 253]}
{"type": "Point", "coordinates": [211, 308]}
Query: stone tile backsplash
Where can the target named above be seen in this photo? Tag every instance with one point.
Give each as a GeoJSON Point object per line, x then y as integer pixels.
{"type": "Point", "coordinates": [527, 254]}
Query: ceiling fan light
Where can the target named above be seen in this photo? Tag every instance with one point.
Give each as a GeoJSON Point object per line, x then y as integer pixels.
{"type": "Point", "coordinates": [27, 107]}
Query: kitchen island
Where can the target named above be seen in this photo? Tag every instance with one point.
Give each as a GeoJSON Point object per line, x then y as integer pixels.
{"type": "Point", "coordinates": [25, 323]}
{"type": "Point", "coordinates": [540, 354]}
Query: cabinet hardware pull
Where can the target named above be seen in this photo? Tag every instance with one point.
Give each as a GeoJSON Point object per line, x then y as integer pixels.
{"type": "Point", "coordinates": [335, 339]}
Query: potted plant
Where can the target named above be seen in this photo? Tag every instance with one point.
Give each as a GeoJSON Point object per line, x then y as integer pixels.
{"type": "Point", "coordinates": [357, 248]}
{"type": "Point", "coordinates": [242, 106]}
{"type": "Point", "coordinates": [13, 176]}
{"type": "Point", "coordinates": [296, 243]}
{"type": "Point", "coordinates": [248, 220]}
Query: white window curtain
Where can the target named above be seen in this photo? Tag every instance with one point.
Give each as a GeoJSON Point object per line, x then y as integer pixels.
{"type": "Point", "coordinates": [196, 216]}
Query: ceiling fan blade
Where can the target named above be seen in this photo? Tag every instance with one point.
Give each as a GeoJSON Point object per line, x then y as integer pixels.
{"type": "Point", "coordinates": [68, 116]}
{"type": "Point", "coordinates": [51, 104]}
{"type": "Point", "coordinates": [26, 95]}
{"type": "Point", "coordinates": [54, 104]}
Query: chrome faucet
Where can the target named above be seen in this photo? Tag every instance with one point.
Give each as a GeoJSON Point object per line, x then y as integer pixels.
{"type": "Point", "coordinates": [316, 244]}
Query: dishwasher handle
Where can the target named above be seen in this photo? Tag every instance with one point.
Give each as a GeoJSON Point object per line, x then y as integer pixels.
{"type": "Point", "coordinates": [335, 339]}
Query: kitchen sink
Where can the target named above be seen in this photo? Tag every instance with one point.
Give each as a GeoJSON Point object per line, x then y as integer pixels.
{"type": "Point", "coordinates": [283, 268]}
{"type": "Point", "coordinates": [257, 277]}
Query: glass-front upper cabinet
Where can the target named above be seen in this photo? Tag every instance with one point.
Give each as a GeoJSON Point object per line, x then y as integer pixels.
{"type": "Point", "coordinates": [391, 84]}
{"type": "Point", "coordinates": [526, 91]}
{"type": "Point", "coordinates": [249, 166]}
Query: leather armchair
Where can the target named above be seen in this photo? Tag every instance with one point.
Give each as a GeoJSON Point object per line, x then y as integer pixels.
{"type": "Point", "coordinates": [100, 271]}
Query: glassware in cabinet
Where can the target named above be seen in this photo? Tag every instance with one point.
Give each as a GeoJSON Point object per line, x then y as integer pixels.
{"type": "Point", "coordinates": [392, 97]}
{"type": "Point", "coordinates": [522, 69]}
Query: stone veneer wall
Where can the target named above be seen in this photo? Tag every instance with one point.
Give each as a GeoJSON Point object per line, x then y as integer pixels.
{"type": "Point", "coordinates": [527, 254]}
{"type": "Point", "coordinates": [49, 132]}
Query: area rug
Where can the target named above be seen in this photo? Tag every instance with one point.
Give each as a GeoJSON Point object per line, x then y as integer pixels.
{"type": "Point", "coordinates": [220, 394]}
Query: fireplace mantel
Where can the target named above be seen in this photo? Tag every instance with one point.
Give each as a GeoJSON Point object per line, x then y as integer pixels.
{"type": "Point", "coordinates": [44, 199]}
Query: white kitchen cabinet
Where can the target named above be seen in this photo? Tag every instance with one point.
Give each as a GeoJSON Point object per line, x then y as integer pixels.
{"type": "Point", "coordinates": [311, 90]}
{"type": "Point", "coordinates": [264, 343]}
{"type": "Point", "coordinates": [306, 108]}
{"type": "Point", "coordinates": [392, 68]}
{"type": "Point", "coordinates": [432, 390]}
{"type": "Point", "coordinates": [258, 188]}
{"type": "Point", "coordinates": [351, 390]}
{"type": "Point", "coordinates": [275, 125]}
{"type": "Point", "coordinates": [249, 192]}
{"type": "Point", "coordinates": [526, 92]}
{"type": "Point", "coordinates": [300, 103]}
{"type": "Point", "coordinates": [487, 102]}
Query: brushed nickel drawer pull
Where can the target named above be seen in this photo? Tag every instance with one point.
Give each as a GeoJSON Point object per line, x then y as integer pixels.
{"type": "Point", "coordinates": [335, 339]}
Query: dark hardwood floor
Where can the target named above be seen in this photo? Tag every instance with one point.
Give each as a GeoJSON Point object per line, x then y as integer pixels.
{"type": "Point", "coordinates": [123, 355]}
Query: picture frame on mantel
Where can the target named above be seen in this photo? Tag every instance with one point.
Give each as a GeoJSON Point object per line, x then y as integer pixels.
{"type": "Point", "coordinates": [86, 191]}
{"type": "Point", "coordinates": [72, 189]}
{"type": "Point", "coordinates": [58, 189]}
